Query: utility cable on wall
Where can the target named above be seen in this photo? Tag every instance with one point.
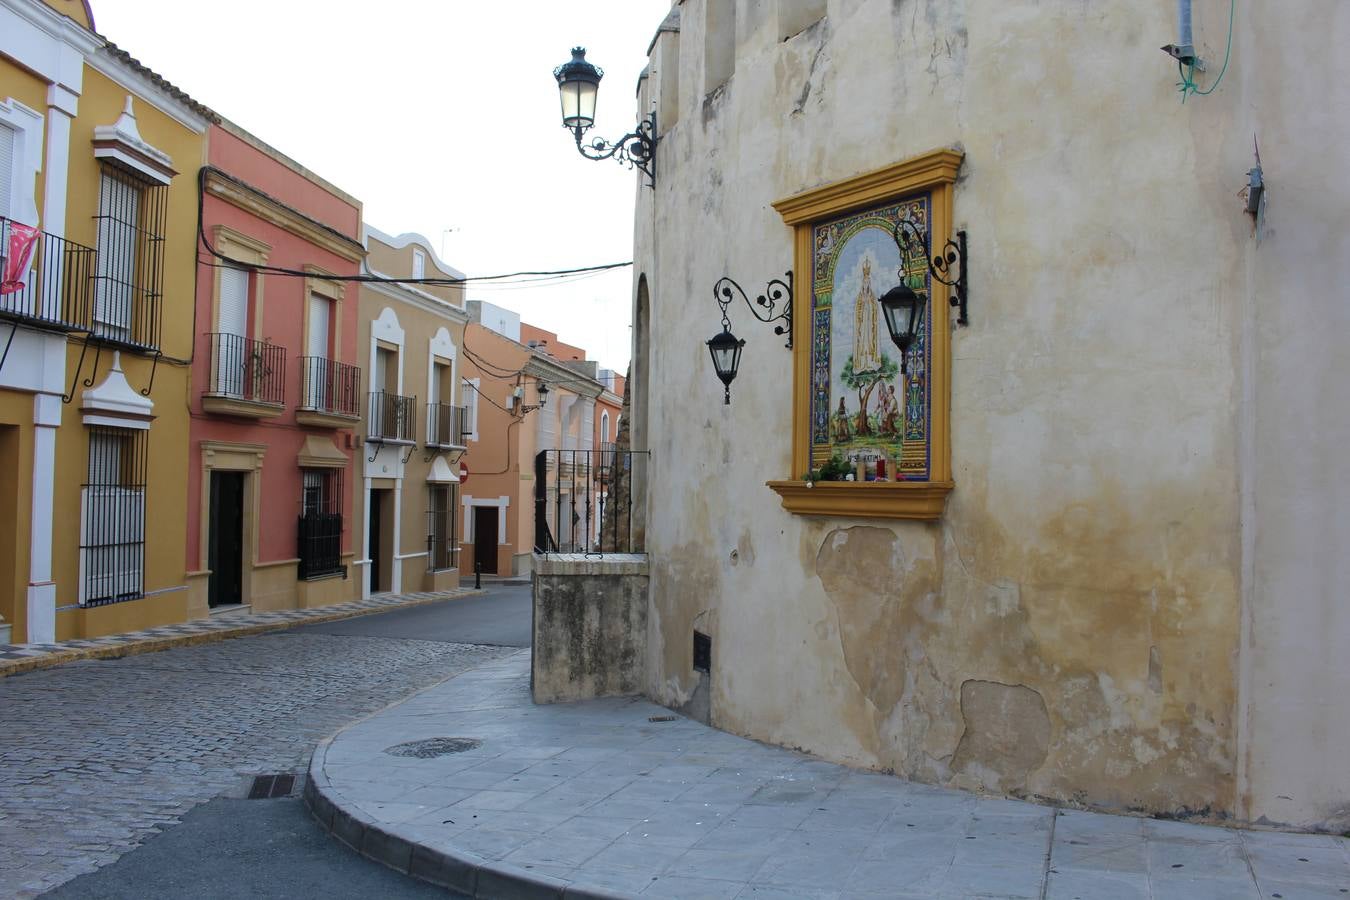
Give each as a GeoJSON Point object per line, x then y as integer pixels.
{"type": "Point", "coordinates": [1187, 85]}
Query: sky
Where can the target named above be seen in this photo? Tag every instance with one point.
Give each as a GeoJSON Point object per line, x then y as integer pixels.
{"type": "Point", "coordinates": [441, 117]}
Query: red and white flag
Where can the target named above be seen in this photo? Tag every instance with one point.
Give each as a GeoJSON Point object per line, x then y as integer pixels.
{"type": "Point", "coordinates": [18, 257]}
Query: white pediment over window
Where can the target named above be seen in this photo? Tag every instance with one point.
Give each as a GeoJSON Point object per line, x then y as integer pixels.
{"type": "Point", "coordinates": [121, 143]}
{"type": "Point", "coordinates": [441, 473]}
{"type": "Point", "coordinates": [20, 161]}
{"type": "Point", "coordinates": [115, 403]}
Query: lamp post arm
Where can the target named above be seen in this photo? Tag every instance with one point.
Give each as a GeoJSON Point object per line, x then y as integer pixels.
{"type": "Point", "coordinates": [774, 305]}
{"type": "Point", "coordinates": [637, 149]}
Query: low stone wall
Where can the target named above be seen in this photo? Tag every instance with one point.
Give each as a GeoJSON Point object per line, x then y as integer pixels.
{"type": "Point", "coordinates": [590, 626]}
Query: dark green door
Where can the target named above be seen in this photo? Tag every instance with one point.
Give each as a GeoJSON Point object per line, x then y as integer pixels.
{"type": "Point", "coordinates": [225, 553]}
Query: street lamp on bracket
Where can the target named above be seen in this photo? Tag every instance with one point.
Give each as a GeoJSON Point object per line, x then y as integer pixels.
{"type": "Point", "coordinates": [774, 305]}
{"type": "Point", "coordinates": [578, 86]}
{"type": "Point", "coordinates": [902, 308]}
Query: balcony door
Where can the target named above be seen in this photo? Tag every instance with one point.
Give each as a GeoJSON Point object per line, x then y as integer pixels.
{"type": "Point", "coordinates": [232, 359]}
{"type": "Point", "coordinates": [319, 386]}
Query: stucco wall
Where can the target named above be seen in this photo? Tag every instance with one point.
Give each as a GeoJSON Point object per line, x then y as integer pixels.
{"type": "Point", "coordinates": [1073, 627]}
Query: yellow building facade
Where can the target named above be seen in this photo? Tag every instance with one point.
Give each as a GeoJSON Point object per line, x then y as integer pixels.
{"type": "Point", "coordinates": [98, 160]}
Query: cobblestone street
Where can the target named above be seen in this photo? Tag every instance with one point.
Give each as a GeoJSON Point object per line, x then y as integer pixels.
{"type": "Point", "coordinates": [97, 755]}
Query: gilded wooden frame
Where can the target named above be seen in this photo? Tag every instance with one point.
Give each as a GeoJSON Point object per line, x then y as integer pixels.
{"type": "Point", "coordinates": [933, 173]}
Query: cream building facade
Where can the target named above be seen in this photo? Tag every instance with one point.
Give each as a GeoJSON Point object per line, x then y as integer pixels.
{"type": "Point", "coordinates": [415, 427]}
{"type": "Point", "coordinates": [1121, 582]}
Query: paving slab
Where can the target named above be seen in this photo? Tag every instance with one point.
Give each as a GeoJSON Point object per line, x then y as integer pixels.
{"type": "Point", "coordinates": [608, 798]}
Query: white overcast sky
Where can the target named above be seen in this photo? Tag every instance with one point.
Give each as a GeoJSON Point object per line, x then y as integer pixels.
{"type": "Point", "coordinates": [442, 117]}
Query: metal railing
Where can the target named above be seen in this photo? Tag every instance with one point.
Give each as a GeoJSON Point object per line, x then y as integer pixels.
{"type": "Point", "coordinates": [245, 369]}
{"type": "Point", "coordinates": [442, 539]}
{"type": "Point", "coordinates": [320, 544]}
{"type": "Point", "coordinates": [392, 417]}
{"type": "Point", "coordinates": [446, 425]}
{"type": "Point", "coordinates": [329, 387]}
{"type": "Point", "coordinates": [583, 500]}
{"type": "Point", "coordinates": [53, 287]}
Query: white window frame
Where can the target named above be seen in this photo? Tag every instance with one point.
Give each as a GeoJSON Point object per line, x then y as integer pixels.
{"type": "Point", "coordinates": [27, 160]}
{"type": "Point", "coordinates": [470, 388]}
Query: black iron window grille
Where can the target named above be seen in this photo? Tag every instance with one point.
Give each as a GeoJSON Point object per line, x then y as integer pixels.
{"type": "Point", "coordinates": [392, 417]}
{"type": "Point", "coordinates": [53, 287]}
{"type": "Point", "coordinates": [112, 521]}
{"type": "Point", "coordinates": [583, 501]}
{"type": "Point", "coordinates": [442, 538]}
{"type": "Point", "coordinates": [329, 387]}
{"type": "Point", "coordinates": [129, 268]}
{"type": "Point", "coordinates": [245, 369]}
{"type": "Point", "coordinates": [447, 426]}
{"type": "Point", "coordinates": [320, 528]}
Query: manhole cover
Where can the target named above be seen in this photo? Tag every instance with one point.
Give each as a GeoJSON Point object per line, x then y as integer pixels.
{"type": "Point", "coordinates": [434, 747]}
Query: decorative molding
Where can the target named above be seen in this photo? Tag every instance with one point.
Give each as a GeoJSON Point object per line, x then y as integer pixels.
{"type": "Point", "coordinates": [228, 456]}
{"type": "Point", "coordinates": [893, 500]}
{"type": "Point", "coordinates": [405, 240]}
{"type": "Point", "coordinates": [441, 473]}
{"type": "Point", "coordinates": [115, 402]}
{"type": "Point", "coordinates": [935, 167]}
{"type": "Point", "coordinates": [240, 246]}
{"type": "Point", "coordinates": [236, 406]}
{"type": "Point", "coordinates": [121, 143]}
{"type": "Point", "coordinates": [320, 452]}
{"type": "Point", "coordinates": [935, 173]}
{"type": "Point", "coordinates": [256, 203]}
{"type": "Point", "coordinates": [316, 419]}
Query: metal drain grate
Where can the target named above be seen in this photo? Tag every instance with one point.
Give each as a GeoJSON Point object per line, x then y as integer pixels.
{"type": "Point", "coordinates": [269, 787]}
{"type": "Point", "coordinates": [431, 748]}
{"type": "Point", "coordinates": [660, 718]}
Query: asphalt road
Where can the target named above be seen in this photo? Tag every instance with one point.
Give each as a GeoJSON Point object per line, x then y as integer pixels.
{"type": "Point", "coordinates": [498, 618]}
{"type": "Point", "coordinates": [110, 763]}
{"type": "Point", "coordinates": [231, 848]}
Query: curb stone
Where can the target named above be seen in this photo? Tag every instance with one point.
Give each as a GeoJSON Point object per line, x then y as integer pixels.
{"type": "Point", "coordinates": [63, 655]}
{"type": "Point", "coordinates": [464, 872]}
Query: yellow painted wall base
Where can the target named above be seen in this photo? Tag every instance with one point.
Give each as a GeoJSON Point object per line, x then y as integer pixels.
{"type": "Point", "coordinates": [326, 591]}
{"type": "Point", "coordinates": [115, 618]}
{"type": "Point", "coordinates": [444, 580]}
{"type": "Point", "coordinates": [198, 605]}
{"type": "Point", "coordinates": [275, 587]}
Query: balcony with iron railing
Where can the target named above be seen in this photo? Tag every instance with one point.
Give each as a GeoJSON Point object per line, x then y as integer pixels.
{"type": "Point", "coordinates": [329, 393]}
{"type": "Point", "coordinates": [447, 426]}
{"type": "Point", "coordinates": [584, 501]}
{"type": "Point", "coordinates": [45, 281]}
{"type": "Point", "coordinates": [247, 377]}
{"type": "Point", "coordinates": [392, 418]}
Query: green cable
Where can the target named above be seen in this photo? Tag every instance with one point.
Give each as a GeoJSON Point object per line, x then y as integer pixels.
{"type": "Point", "coordinates": [1187, 83]}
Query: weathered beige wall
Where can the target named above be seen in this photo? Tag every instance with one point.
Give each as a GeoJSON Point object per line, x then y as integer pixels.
{"type": "Point", "coordinates": [1072, 627]}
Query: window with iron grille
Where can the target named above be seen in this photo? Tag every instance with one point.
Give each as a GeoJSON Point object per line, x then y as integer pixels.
{"type": "Point", "coordinates": [112, 517]}
{"type": "Point", "coordinates": [320, 527]}
{"type": "Point", "coordinates": [129, 270]}
{"type": "Point", "coordinates": [442, 541]}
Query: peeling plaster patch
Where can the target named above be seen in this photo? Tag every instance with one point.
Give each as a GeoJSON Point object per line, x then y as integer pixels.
{"type": "Point", "coordinates": [1154, 671]}
{"type": "Point", "coordinates": [1007, 734]}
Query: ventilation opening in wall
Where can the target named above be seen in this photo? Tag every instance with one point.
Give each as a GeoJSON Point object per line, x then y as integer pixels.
{"type": "Point", "coordinates": [702, 652]}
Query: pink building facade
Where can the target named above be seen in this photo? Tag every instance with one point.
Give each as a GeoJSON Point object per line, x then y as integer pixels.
{"type": "Point", "coordinates": [276, 393]}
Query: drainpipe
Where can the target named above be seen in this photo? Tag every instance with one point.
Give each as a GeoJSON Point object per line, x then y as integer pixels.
{"type": "Point", "coordinates": [1184, 49]}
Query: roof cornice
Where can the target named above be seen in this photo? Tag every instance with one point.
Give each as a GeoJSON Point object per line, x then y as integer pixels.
{"type": "Point", "coordinates": [251, 200]}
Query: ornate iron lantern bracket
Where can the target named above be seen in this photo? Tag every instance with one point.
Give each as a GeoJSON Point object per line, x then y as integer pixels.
{"type": "Point", "coordinates": [774, 305]}
{"type": "Point", "coordinates": [637, 148]}
{"type": "Point", "coordinates": [947, 267]}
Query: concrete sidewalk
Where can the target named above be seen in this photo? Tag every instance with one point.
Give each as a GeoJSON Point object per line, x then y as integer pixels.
{"type": "Point", "coordinates": [17, 658]}
{"type": "Point", "coordinates": [470, 785]}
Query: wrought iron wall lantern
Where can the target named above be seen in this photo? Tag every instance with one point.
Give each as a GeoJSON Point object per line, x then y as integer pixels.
{"type": "Point", "coordinates": [578, 85]}
{"type": "Point", "coordinates": [542, 390]}
{"type": "Point", "coordinates": [774, 305]}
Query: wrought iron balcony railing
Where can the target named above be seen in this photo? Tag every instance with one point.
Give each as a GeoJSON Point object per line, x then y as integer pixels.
{"type": "Point", "coordinates": [392, 417]}
{"type": "Point", "coordinates": [329, 387]}
{"type": "Point", "coordinates": [583, 501]}
{"type": "Point", "coordinates": [447, 425]}
{"type": "Point", "coordinates": [45, 280]}
{"type": "Point", "coordinates": [245, 369]}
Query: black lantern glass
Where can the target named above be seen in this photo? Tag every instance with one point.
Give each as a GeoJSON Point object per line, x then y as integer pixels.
{"type": "Point", "coordinates": [578, 85]}
{"type": "Point", "coordinates": [904, 310]}
{"type": "Point", "coordinates": [726, 356]}
{"type": "Point", "coordinates": [542, 390]}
